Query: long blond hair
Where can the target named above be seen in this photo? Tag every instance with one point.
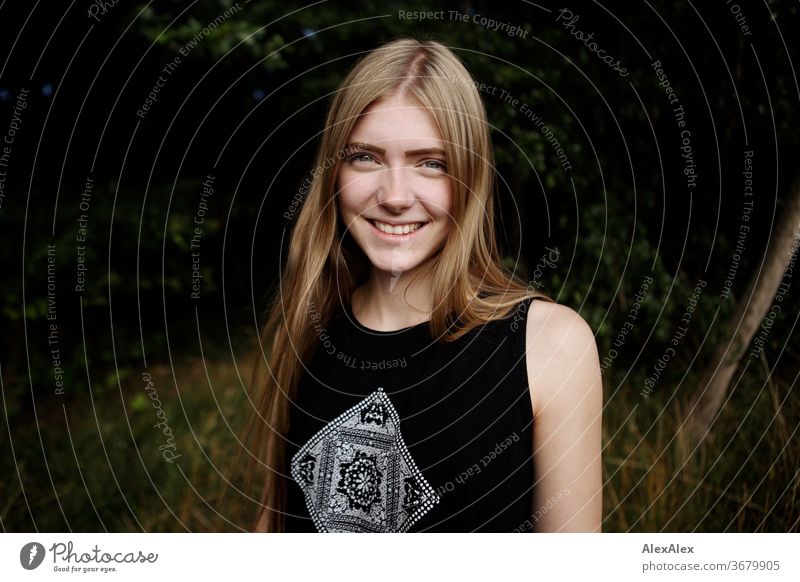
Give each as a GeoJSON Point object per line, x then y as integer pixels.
{"type": "Point", "coordinates": [323, 269]}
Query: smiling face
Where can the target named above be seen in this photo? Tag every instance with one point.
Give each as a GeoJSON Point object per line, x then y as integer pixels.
{"type": "Point", "coordinates": [393, 187]}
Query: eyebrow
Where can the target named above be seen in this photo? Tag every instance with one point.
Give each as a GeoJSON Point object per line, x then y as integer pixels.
{"type": "Point", "coordinates": [381, 151]}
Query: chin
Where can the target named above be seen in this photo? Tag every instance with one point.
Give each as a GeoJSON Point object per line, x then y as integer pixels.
{"type": "Point", "coordinates": [401, 263]}
{"type": "Point", "coordinates": [395, 266]}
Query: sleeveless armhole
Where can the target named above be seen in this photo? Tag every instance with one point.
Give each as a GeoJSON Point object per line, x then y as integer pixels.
{"type": "Point", "coordinates": [524, 348]}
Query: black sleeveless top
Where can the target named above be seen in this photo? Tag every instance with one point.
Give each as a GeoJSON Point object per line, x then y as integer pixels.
{"type": "Point", "coordinates": [393, 431]}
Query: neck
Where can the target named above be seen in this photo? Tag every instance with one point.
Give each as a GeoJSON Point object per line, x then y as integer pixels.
{"type": "Point", "coordinates": [388, 302]}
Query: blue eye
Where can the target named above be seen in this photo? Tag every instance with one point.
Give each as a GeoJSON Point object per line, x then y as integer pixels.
{"type": "Point", "coordinates": [439, 165]}
{"type": "Point", "coordinates": [359, 158]}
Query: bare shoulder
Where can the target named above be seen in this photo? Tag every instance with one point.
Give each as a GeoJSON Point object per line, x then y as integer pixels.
{"type": "Point", "coordinates": [561, 354]}
{"type": "Point", "coordinates": [556, 330]}
{"type": "Point", "coordinates": [567, 397]}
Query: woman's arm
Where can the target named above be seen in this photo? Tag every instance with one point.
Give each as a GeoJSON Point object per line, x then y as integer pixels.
{"type": "Point", "coordinates": [567, 395]}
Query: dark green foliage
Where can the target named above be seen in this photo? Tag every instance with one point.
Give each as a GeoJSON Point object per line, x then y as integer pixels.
{"type": "Point", "coordinates": [246, 104]}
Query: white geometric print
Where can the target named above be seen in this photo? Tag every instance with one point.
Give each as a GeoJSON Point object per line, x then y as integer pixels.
{"type": "Point", "coordinates": [357, 474]}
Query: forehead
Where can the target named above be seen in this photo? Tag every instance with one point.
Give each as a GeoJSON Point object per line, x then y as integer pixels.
{"type": "Point", "coordinates": [397, 121]}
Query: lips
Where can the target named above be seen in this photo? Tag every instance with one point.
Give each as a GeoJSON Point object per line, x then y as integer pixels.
{"type": "Point", "coordinates": [403, 228]}
{"type": "Point", "coordinates": [400, 231]}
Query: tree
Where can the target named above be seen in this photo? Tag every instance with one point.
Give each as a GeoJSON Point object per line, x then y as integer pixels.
{"type": "Point", "coordinates": [742, 326]}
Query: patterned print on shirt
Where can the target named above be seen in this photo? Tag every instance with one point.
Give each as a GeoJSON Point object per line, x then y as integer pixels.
{"type": "Point", "coordinates": [357, 474]}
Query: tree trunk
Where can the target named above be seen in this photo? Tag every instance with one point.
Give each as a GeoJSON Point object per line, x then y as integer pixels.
{"type": "Point", "coordinates": [743, 325]}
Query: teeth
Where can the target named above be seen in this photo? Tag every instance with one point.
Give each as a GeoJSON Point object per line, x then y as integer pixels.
{"type": "Point", "coordinates": [399, 229]}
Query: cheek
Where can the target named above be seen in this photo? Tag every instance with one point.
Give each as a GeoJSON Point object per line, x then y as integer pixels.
{"type": "Point", "coordinates": [346, 198]}
{"type": "Point", "coordinates": [353, 193]}
{"type": "Point", "coordinates": [440, 204]}
{"type": "Point", "coordinates": [345, 206]}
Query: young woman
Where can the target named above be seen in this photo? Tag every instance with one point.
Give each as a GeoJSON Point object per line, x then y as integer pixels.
{"type": "Point", "coordinates": [411, 383]}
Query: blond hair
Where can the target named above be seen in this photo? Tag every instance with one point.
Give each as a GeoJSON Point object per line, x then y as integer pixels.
{"type": "Point", "coordinates": [467, 275]}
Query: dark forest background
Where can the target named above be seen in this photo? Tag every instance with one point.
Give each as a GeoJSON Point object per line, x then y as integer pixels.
{"type": "Point", "coordinates": [245, 104]}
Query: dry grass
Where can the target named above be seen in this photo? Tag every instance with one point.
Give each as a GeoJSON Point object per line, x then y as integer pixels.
{"type": "Point", "coordinates": [744, 479]}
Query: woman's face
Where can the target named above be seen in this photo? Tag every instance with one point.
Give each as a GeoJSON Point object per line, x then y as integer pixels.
{"type": "Point", "coordinates": [393, 188]}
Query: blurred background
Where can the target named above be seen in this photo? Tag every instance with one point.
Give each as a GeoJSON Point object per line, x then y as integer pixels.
{"type": "Point", "coordinates": [646, 176]}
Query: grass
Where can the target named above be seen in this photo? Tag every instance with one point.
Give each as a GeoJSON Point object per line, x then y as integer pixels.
{"type": "Point", "coordinates": [102, 453]}
{"type": "Point", "coordinates": [744, 478]}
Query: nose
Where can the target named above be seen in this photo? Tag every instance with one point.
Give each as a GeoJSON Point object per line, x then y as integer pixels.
{"type": "Point", "coordinates": [395, 192]}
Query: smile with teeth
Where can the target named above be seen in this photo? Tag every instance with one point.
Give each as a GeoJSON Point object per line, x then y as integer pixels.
{"type": "Point", "coordinates": [397, 229]}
